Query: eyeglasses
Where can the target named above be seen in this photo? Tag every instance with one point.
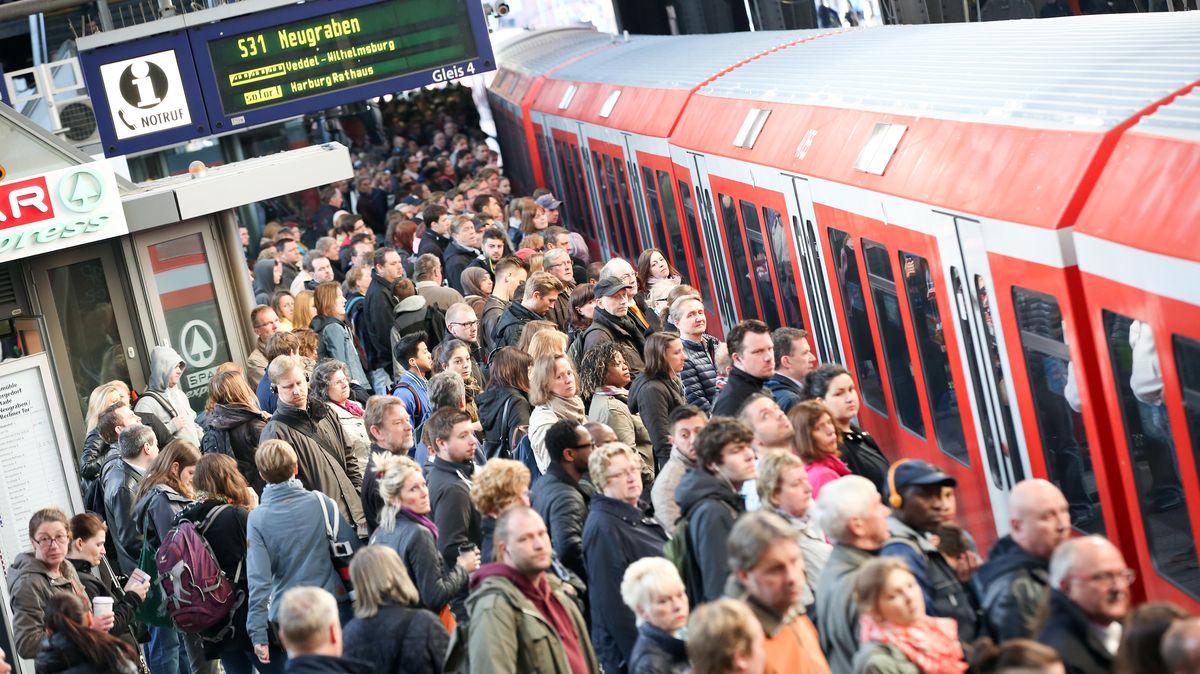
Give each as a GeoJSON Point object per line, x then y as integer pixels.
{"type": "Point", "coordinates": [590, 445]}
{"type": "Point", "coordinates": [1124, 576]}
{"type": "Point", "coordinates": [45, 541]}
{"type": "Point", "coordinates": [628, 472]}
{"type": "Point", "coordinates": [466, 324]}
{"type": "Point", "coordinates": [263, 325]}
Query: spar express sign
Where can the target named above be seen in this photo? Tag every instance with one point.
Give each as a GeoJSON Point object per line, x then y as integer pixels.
{"type": "Point", "coordinates": [64, 208]}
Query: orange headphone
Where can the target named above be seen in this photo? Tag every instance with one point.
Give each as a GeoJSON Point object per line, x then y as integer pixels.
{"type": "Point", "coordinates": [894, 498]}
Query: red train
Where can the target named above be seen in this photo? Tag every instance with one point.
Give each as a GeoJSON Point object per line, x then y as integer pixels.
{"type": "Point", "coordinates": [994, 226]}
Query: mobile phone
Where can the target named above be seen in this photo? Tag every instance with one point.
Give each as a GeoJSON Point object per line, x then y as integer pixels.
{"type": "Point", "coordinates": [139, 576]}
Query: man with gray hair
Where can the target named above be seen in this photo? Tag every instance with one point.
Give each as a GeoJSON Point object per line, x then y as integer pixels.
{"type": "Point", "coordinates": [558, 262]}
{"type": "Point", "coordinates": [312, 633]}
{"type": "Point", "coordinates": [120, 480]}
{"type": "Point", "coordinates": [447, 389]}
{"type": "Point", "coordinates": [767, 572]}
{"type": "Point", "coordinates": [853, 515]}
{"type": "Point", "coordinates": [620, 270]}
{"type": "Point", "coordinates": [1089, 598]}
{"type": "Point", "coordinates": [1181, 647]}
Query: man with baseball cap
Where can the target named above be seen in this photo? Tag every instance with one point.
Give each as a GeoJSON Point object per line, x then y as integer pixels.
{"type": "Point", "coordinates": [612, 323]}
{"type": "Point", "coordinates": [922, 500]}
{"type": "Point", "coordinates": [548, 202]}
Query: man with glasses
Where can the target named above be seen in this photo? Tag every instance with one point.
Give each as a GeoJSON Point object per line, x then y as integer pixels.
{"type": "Point", "coordinates": [265, 324]}
{"type": "Point", "coordinates": [561, 496]}
{"type": "Point", "coordinates": [1088, 600]}
{"type": "Point", "coordinates": [462, 324]}
{"type": "Point", "coordinates": [558, 262]}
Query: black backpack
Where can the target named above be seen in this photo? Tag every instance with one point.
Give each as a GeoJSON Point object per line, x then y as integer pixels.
{"type": "Point", "coordinates": [216, 441]}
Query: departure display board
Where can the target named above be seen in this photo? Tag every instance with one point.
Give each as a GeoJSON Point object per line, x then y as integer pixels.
{"type": "Point", "coordinates": [340, 50]}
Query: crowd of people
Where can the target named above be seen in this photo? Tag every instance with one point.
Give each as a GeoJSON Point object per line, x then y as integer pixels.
{"type": "Point", "coordinates": [459, 444]}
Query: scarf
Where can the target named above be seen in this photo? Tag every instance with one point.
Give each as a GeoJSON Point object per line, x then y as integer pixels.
{"type": "Point", "coordinates": [570, 409]}
{"type": "Point", "coordinates": [931, 643]}
{"type": "Point", "coordinates": [351, 407]}
{"type": "Point", "coordinates": [628, 325]}
{"type": "Point", "coordinates": [422, 520]}
{"type": "Point", "coordinates": [614, 391]}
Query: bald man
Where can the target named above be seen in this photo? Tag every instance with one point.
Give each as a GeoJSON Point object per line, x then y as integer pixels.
{"type": "Point", "coordinates": [462, 324]}
{"type": "Point", "coordinates": [1013, 583]}
{"type": "Point", "coordinates": [1181, 647]}
{"type": "Point", "coordinates": [1089, 597]}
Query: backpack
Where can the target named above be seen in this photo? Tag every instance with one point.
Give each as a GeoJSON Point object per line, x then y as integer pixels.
{"type": "Point", "coordinates": [216, 441]}
{"type": "Point", "coordinates": [676, 551]}
{"type": "Point", "coordinates": [575, 351]}
{"type": "Point", "coordinates": [523, 452]}
{"type": "Point", "coordinates": [418, 416]}
{"type": "Point", "coordinates": [195, 592]}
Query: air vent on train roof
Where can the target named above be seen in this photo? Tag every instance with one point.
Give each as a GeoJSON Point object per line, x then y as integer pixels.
{"type": "Point", "coordinates": [567, 97]}
{"type": "Point", "coordinates": [751, 127]}
{"type": "Point", "coordinates": [610, 103]}
{"type": "Point", "coordinates": [878, 151]}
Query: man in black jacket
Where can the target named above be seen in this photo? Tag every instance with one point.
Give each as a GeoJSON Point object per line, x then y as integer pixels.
{"type": "Point", "coordinates": [120, 479]}
{"type": "Point", "coordinates": [541, 292]}
{"type": "Point", "coordinates": [437, 231]}
{"type": "Point", "coordinates": [289, 255]}
{"type": "Point", "coordinates": [794, 359]}
{"type": "Point", "coordinates": [1013, 583]}
{"type": "Point", "coordinates": [709, 500]}
{"type": "Point", "coordinates": [458, 521]}
{"type": "Point", "coordinates": [378, 311]}
{"type": "Point", "coordinates": [391, 432]}
{"type": "Point", "coordinates": [753, 354]}
{"type": "Point", "coordinates": [312, 633]}
{"type": "Point", "coordinates": [1089, 599]}
{"type": "Point", "coordinates": [462, 252]}
{"type": "Point", "coordinates": [561, 496]}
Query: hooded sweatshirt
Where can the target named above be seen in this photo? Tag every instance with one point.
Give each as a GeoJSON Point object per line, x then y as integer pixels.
{"type": "Point", "coordinates": [264, 281]}
{"type": "Point", "coordinates": [163, 360]}
{"type": "Point", "coordinates": [711, 506]}
{"type": "Point", "coordinates": [540, 594]}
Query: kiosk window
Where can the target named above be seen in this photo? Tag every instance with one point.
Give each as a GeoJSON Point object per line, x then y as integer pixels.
{"type": "Point", "coordinates": [895, 343]}
{"type": "Point", "coordinates": [931, 345]}
{"type": "Point", "coordinates": [1151, 446]}
{"type": "Point", "coordinates": [854, 303]}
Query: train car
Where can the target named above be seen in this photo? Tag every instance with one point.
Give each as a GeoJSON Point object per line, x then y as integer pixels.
{"type": "Point", "coordinates": [916, 197]}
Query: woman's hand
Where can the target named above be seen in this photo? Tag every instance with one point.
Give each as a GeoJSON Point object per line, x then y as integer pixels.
{"type": "Point", "coordinates": [104, 623]}
{"type": "Point", "coordinates": [469, 560]}
{"type": "Point", "coordinates": [140, 588]}
{"type": "Point", "coordinates": [263, 653]}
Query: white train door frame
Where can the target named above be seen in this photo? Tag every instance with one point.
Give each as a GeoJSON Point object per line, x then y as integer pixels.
{"type": "Point", "coordinates": [823, 326]}
{"type": "Point", "coordinates": [713, 246]}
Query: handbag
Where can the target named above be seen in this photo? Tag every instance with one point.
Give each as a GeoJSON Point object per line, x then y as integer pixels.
{"type": "Point", "coordinates": [151, 611]}
{"type": "Point", "coordinates": [340, 552]}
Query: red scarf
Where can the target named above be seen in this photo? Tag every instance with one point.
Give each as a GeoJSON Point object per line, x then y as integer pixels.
{"type": "Point", "coordinates": [351, 407]}
{"type": "Point", "coordinates": [931, 643]}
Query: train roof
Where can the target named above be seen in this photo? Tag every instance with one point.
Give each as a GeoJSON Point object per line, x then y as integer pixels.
{"type": "Point", "coordinates": [675, 62]}
{"type": "Point", "coordinates": [1079, 73]}
{"type": "Point", "coordinates": [543, 50]}
{"type": "Point", "coordinates": [1178, 119]}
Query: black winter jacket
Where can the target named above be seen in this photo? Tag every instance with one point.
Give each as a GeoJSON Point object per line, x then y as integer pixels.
{"type": "Point", "coordinates": [457, 520]}
{"type": "Point", "coordinates": [863, 457]}
{"type": "Point", "coordinates": [437, 583]}
{"type": "Point", "coordinates": [59, 656]}
{"type": "Point", "coordinates": [244, 427]}
{"type": "Point", "coordinates": [120, 482]}
{"type": "Point", "coordinates": [1068, 631]}
{"type": "Point", "coordinates": [433, 244]}
{"type": "Point", "coordinates": [99, 581]}
{"type": "Point", "coordinates": [455, 259]}
{"type": "Point", "coordinates": [508, 329]}
{"type": "Point", "coordinates": [94, 449]}
{"type": "Point", "coordinates": [710, 505]}
{"type": "Point", "coordinates": [498, 425]}
{"type": "Point", "coordinates": [615, 535]}
{"type": "Point", "coordinates": [377, 312]}
{"type": "Point", "coordinates": [699, 374]}
{"type": "Point", "coordinates": [738, 387]}
{"type": "Point", "coordinates": [1012, 584]}
{"type": "Point", "coordinates": [563, 504]}
{"type": "Point", "coordinates": [326, 664]}
{"type": "Point", "coordinates": [624, 330]}
{"type": "Point", "coordinates": [657, 652]}
{"type": "Point", "coordinates": [398, 640]}
{"type": "Point", "coordinates": [653, 399]}
{"type": "Point", "coordinates": [227, 538]}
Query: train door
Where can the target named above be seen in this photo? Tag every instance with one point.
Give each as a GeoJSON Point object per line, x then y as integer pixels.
{"type": "Point", "coordinates": [636, 187]}
{"type": "Point", "coordinates": [692, 215]}
{"type": "Point", "coordinates": [821, 324]}
{"type": "Point", "coordinates": [719, 273]}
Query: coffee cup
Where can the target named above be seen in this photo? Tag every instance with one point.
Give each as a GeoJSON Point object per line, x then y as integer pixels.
{"type": "Point", "coordinates": [102, 606]}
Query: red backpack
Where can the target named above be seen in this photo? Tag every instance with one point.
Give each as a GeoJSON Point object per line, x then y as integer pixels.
{"type": "Point", "coordinates": [195, 592]}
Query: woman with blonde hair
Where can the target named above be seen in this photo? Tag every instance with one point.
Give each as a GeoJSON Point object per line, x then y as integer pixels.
{"type": "Point", "coordinates": [405, 526]}
{"type": "Point", "coordinates": [816, 443]}
{"type": "Point", "coordinates": [94, 447]}
{"type": "Point", "coordinates": [236, 417]}
{"type": "Point", "coordinates": [530, 330]}
{"type": "Point", "coordinates": [336, 337]}
{"type": "Point", "coordinates": [653, 590]}
{"type": "Point", "coordinates": [220, 513]}
{"type": "Point", "coordinates": [547, 342]}
{"type": "Point", "coordinates": [285, 306]}
{"type": "Point", "coordinates": [390, 630]}
{"type": "Point", "coordinates": [554, 393]}
{"type": "Point", "coordinates": [783, 488]}
{"type": "Point", "coordinates": [497, 486]}
{"type": "Point", "coordinates": [304, 310]}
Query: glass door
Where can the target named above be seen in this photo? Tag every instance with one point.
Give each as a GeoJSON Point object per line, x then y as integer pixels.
{"type": "Point", "coordinates": [181, 269]}
{"type": "Point", "coordinates": [91, 333]}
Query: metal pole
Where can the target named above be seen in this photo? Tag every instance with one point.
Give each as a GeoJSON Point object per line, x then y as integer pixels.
{"type": "Point", "coordinates": [749, 15]}
{"type": "Point", "coordinates": [106, 22]}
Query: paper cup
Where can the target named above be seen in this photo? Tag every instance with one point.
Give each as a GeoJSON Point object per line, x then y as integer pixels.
{"type": "Point", "coordinates": [102, 606]}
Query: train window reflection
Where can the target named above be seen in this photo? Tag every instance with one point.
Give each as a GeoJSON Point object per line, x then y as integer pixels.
{"type": "Point", "coordinates": [862, 342]}
{"type": "Point", "coordinates": [931, 345]}
{"type": "Point", "coordinates": [739, 265]}
{"type": "Point", "coordinates": [761, 266]}
{"type": "Point", "coordinates": [1151, 447]}
{"type": "Point", "coordinates": [781, 251]}
{"type": "Point", "coordinates": [692, 226]}
{"type": "Point", "coordinates": [1187, 359]}
{"type": "Point", "coordinates": [623, 202]}
{"type": "Point", "coordinates": [674, 242]}
{"type": "Point", "coordinates": [993, 352]}
{"type": "Point", "coordinates": [652, 204]}
{"type": "Point", "coordinates": [895, 343]}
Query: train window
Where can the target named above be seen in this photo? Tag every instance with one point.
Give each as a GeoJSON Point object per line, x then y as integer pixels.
{"type": "Point", "coordinates": [613, 197]}
{"type": "Point", "coordinates": [1151, 448]}
{"type": "Point", "coordinates": [862, 342]}
{"type": "Point", "coordinates": [895, 342]}
{"type": "Point", "coordinates": [651, 188]}
{"type": "Point", "coordinates": [762, 266]}
{"type": "Point", "coordinates": [698, 255]}
{"type": "Point", "coordinates": [674, 237]}
{"type": "Point", "coordinates": [993, 346]}
{"type": "Point", "coordinates": [1056, 404]}
{"type": "Point", "coordinates": [739, 264]}
{"type": "Point", "coordinates": [605, 205]}
{"type": "Point", "coordinates": [623, 203]}
{"type": "Point", "coordinates": [931, 345]}
{"type": "Point", "coordinates": [781, 251]}
{"type": "Point", "coordinates": [578, 178]}
{"type": "Point", "coordinates": [1187, 359]}
{"type": "Point", "coordinates": [818, 297]}
{"type": "Point", "coordinates": [993, 449]}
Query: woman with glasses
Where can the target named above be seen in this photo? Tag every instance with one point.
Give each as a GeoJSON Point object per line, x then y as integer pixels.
{"type": "Point", "coordinates": [34, 576]}
{"type": "Point", "coordinates": [331, 386]}
{"type": "Point", "coordinates": [617, 533]}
